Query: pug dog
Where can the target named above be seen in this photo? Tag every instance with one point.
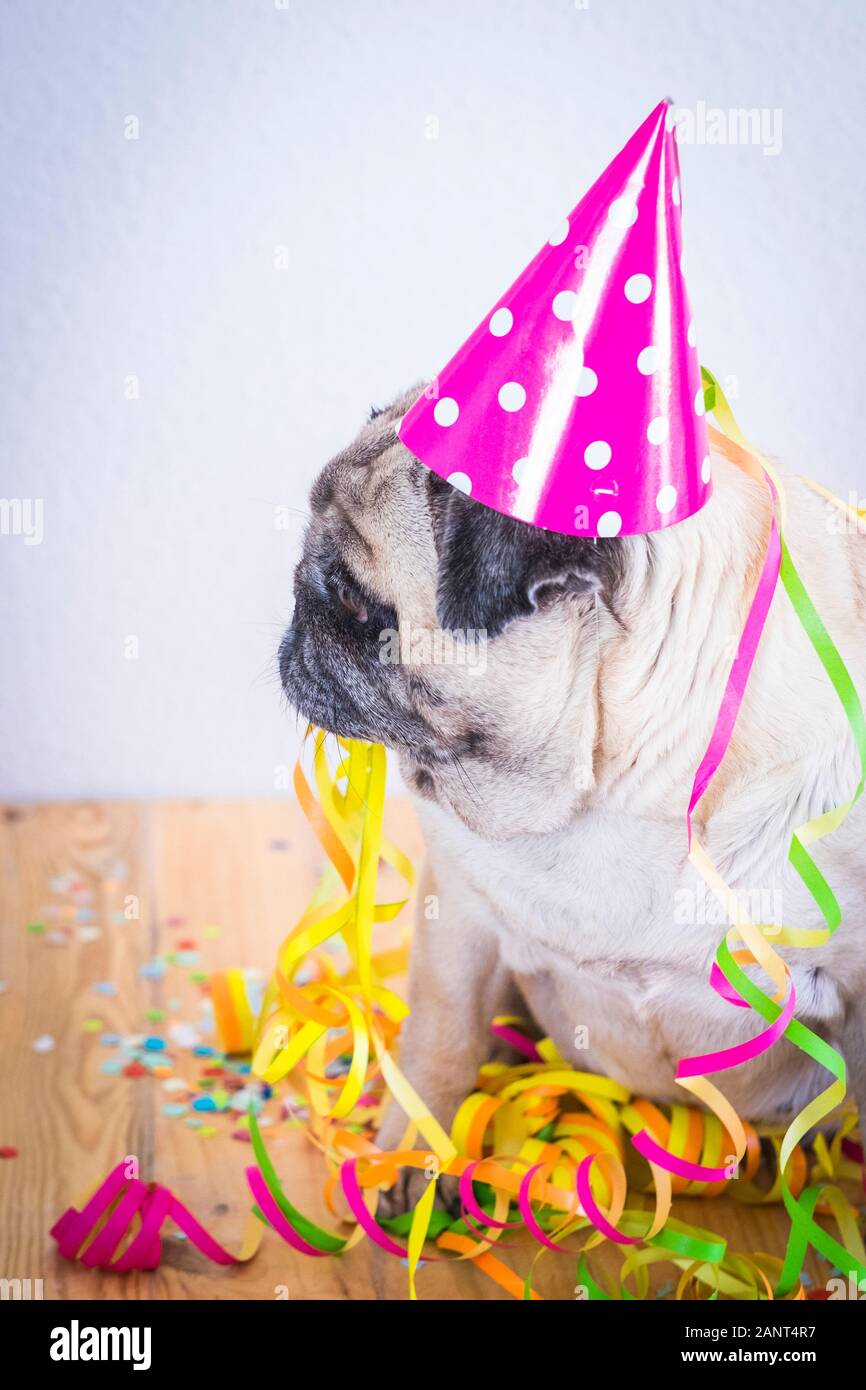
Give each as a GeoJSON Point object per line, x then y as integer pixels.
{"type": "Point", "coordinates": [549, 699]}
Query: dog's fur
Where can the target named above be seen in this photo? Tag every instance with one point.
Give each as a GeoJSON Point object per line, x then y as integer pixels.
{"type": "Point", "coordinates": [552, 782]}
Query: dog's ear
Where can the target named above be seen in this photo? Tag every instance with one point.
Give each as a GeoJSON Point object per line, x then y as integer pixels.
{"type": "Point", "coordinates": [493, 569]}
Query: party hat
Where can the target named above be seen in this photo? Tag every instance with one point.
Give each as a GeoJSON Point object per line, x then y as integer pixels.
{"type": "Point", "coordinates": [577, 404]}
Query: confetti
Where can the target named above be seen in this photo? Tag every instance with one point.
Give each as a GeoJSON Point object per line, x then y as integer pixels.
{"type": "Point", "coordinates": [93, 1025]}
{"type": "Point", "coordinates": [7, 1151]}
{"type": "Point", "coordinates": [174, 1108]}
{"type": "Point", "coordinates": [154, 1044]}
{"type": "Point", "coordinates": [153, 970]}
{"type": "Point", "coordinates": [89, 933]}
{"type": "Point", "coordinates": [112, 1066]}
{"type": "Point", "coordinates": [135, 1069]}
{"type": "Point", "coordinates": [204, 1103]}
{"type": "Point", "coordinates": [154, 1015]}
{"type": "Point", "coordinates": [45, 1043]}
{"type": "Point", "coordinates": [35, 928]}
{"type": "Point", "coordinates": [104, 987]}
{"type": "Point", "coordinates": [110, 1040]}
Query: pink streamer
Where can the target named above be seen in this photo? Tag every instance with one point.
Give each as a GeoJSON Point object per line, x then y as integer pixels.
{"type": "Point", "coordinates": [153, 1205]}
{"type": "Point", "coordinates": [735, 687]}
{"type": "Point", "coordinates": [262, 1194]}
{"type": "Point", "coordinates": [471, 1206]}
{"type": "Point", "coordinates": [354, 1196]}
{"type": "Point", "coordinates": [732, 699]}
{"type": "Point", "coordinates": [519, 1041]}
{"type": "Point", "coordinates": [722, 985]}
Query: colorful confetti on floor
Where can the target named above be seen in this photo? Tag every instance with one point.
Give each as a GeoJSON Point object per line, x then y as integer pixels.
{"type": "Point", "coordinates": [211, 1092]}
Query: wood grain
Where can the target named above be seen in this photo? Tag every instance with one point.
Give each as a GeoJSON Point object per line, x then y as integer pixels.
{"type": "Point", "coordinates": [216, 864]}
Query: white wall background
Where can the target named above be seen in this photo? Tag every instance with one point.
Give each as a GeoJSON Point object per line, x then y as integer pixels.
{"type": "Point", "coordinates": [305, 125]}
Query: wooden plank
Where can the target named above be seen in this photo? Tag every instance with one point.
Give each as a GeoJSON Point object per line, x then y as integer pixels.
{"type": "Point", "coordinates": [246, 867]}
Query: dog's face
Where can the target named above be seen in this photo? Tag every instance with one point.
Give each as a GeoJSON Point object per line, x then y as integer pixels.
{"type": "Point", "coordinates": [456, 636]}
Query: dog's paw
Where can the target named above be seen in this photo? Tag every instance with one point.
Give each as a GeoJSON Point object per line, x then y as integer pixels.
{"type": "Point", "coordinates": [408, 1190]}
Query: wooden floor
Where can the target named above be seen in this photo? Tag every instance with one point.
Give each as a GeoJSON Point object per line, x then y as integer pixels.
{"type": "Point", "coordinates": [225, 879]}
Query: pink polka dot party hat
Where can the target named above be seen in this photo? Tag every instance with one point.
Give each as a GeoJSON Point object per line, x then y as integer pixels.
{"type": "Point", "coordinates": [577, 405]}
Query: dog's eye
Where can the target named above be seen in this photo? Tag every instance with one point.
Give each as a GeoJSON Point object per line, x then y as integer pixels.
{"type": "Point", "coordinates": [352, 601]}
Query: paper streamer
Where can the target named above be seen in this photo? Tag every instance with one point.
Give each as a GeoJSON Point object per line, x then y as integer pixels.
{"type": "Point", "coordinates": [236, 996]}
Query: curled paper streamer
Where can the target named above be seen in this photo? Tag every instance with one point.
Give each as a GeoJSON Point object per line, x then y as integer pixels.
{"type": "Point", "coordinates": [236, 996]}
{"type": "Point", "coordinates": [758, 951]}
{"type": "Point", "coordinates": [538, 1147]}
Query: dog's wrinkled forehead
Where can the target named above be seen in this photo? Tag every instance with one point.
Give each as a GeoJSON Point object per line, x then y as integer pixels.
{"type": "Point", "coordinates": [370, 504]}
{"type": "Point", "coordinates": [413, 542]}
{"type": "Point", "coordinates": [357, 474]}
